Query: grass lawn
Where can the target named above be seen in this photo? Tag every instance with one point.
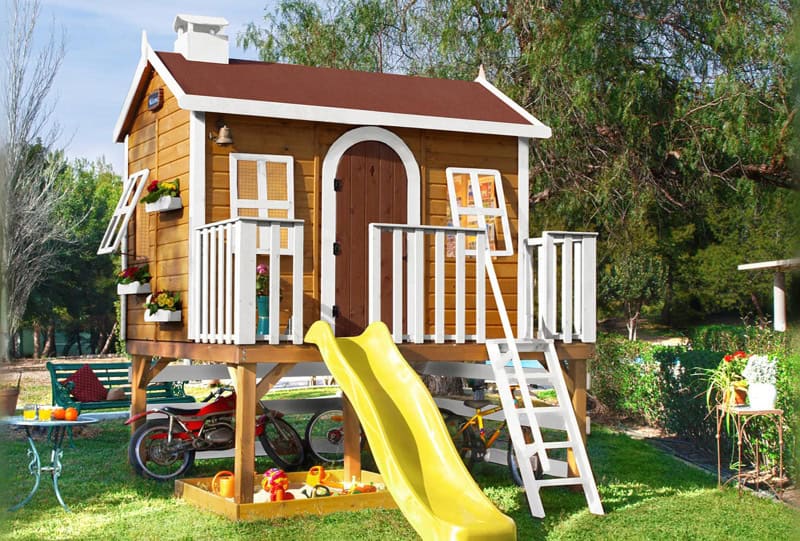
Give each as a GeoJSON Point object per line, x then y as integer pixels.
{"type": "Point", "coordinates": [647, 494]}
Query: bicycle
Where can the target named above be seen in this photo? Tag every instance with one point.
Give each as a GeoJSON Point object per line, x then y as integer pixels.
{"type": "Point", "coordinates": [472, 443]}
{"type": "Point", "coordinates": [325, 436]}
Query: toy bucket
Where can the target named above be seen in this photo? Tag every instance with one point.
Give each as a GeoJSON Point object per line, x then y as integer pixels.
{"type": "Point", "coordinates": [316, 476]}
{"type": "Point", "coordinates": [222, 484]}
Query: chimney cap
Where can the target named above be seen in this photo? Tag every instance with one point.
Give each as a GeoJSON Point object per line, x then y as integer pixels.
{"type": "Point", "coordinates": [201, 23]}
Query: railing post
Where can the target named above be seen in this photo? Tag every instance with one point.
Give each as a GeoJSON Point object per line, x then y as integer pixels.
{"type": "Point", "coordinates": [566, 290]}
{"type": "Point", "coordinates": [274, 283]}
{"type": "Point", "coordinates": [589, 290]}
{"type": "Point", "coordinates": [547, 301]}
{"type": "Point", "coordinates": [228, 283]}
{"type": "Point", "coordinates": [374, 274]}
{"type": "Point", "coordinates": [577, 287]}
{"type": "Point", "coordinates": [297, 284]}
{"type": "Point", "coordinates": [205, 289]}
{"type": "Point", "coordinates": [416, 294]}
{"type": "Point", "coordinates": [438, 271]}
{"type": "Point", "coordinates": [480, 287]}
{"type": "Point", "coordinates": [245, 284]}
{"type": "Point", "coordinates": [397, 285]}
{"type": "Point", "coordinates": [460, 286]}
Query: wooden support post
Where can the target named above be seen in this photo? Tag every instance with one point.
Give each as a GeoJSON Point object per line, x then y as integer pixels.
{"type": "Point", "coordinates": [244, 453]}
{"type": "Point", "coordinates": [271, 378]}
{"type": "Point", "coordinates": [352, 441]}
{"type": "Point", "coordinates": [139, 367]}
{"type": "Point", "coordinates": [153, 371]}
{"type": "Point", "coordinates": [577, 375]}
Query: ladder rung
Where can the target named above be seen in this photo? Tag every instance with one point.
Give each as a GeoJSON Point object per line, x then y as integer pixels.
{"type": "Point", "coordinates": [560, 481]}
{"type": "Point", "coordinates": [542, 410]}
{"type": "Point", "coordinates": [558, 445]}
{"type": "Point", "coordinates": [530, 375]}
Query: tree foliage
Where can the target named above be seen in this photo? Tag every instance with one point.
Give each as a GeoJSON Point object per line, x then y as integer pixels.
{"type": "Point", "coordinates": [673, 120]}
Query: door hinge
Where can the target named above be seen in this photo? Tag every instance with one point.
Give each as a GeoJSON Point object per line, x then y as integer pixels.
{"type": "Point", "coordinates": [337, 185]}
{"type": "Point", "coordinates": [337, 248]}
{"type": "Point", "coordinates": [335, 310]}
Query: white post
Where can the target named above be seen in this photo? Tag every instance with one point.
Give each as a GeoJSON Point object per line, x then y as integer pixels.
{"type": "Point", "coordinates": [297, 284]}
{"type": "Point", "coordinates": [460, 286]}
{"type": "Point", "coordinates": [779, 300]}
{"type": "Point", "coordinates": [374, 276]}
{"type": "Point", "coordinates": [566, 290]}
{"type": "Point", "coordinates": [589, 295]}
{"type": "Point", "coordinates": [245, 297]}
{"type": "Point", "coordinates": [439, 287]}
{"type": "Point", "coordinates": [480, 287]}
{"type": "Point", "coordinates": [397, 285]}
{"type": "Point", "coordinates": [274, 283]}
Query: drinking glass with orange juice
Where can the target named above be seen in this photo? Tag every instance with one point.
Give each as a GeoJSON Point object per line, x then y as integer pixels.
{"type": "Point", "coordinates": [45, 413]}
{"type": "Point", "coordinates": [29, 412]}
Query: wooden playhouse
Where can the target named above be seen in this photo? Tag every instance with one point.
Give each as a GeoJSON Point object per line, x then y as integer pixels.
{"type": "Point", "coordinates": [361, 192]}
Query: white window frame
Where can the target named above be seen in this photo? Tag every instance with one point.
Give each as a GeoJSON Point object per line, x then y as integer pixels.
{"type": "Point", "coordinates": [478, 209]}
{"type": "Point", "coordinates": [117, 228]}
{"type": "Point", "coordinates": [263, 204]}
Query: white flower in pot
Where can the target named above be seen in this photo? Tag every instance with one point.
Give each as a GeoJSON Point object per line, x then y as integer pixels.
{"type": "Point", "coordinates": [760, 373]}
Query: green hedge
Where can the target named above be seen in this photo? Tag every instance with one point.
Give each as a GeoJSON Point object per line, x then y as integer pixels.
{"type": "Point", "coordinates": [659, 386]}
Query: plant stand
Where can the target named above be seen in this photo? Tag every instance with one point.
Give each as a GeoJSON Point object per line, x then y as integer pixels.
{"type": "Point", "coordinates": [742, 415]}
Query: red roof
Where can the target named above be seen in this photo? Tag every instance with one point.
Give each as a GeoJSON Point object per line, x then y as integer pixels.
{"type": "Point", "coordinates": [303, 85]}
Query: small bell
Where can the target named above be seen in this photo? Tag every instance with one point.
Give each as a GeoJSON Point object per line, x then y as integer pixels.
{"type": "Point", "coordinates": [224, 137]}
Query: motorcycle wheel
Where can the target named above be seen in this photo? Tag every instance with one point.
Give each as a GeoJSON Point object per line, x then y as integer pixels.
{"type": "Point", "coordinates": [152, 458]}
{"type": "Point", "coordinates": [282, 443]}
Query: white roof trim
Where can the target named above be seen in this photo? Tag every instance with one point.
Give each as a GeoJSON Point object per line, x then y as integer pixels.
{"type": "Point", "coordinates": [778, 264]}
{"type": "Point", "coordinates": [481, 80]}
{"type": "Point", "coordinates": [357, 117]}
{"type": "Point", "coordinates": [318, 113]}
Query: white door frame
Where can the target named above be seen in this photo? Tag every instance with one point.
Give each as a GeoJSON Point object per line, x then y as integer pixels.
{"type": "Point", "coordinates": [329, 166]}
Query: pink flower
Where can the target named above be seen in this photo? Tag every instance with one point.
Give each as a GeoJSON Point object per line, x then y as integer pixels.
{"type": "Point", "coordinates": [262, 269]}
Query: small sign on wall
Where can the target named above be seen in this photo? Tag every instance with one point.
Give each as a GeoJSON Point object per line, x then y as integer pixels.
{"type": "Point", "coordinates": [155, 100]}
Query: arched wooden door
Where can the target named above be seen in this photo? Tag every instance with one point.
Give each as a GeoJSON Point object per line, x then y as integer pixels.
{"type": "Point", "coordinates": [371, 187]}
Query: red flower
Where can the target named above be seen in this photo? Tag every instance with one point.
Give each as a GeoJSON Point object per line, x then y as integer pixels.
{"type": "Point", "coordinates": [728, 358]}
{"type": "Point", "coordinates": [153, 186]}
{"type": "Point", "coordinates": [740, 354]}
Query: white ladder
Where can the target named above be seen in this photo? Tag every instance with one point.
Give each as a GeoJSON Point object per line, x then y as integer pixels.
{"type": "Point", "coordinates": [505, 351]}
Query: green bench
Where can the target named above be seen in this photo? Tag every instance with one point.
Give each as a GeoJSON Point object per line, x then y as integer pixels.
{"type": "Point", "coordinates": [111, 375]}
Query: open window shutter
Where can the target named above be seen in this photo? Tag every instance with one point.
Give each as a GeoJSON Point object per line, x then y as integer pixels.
{"type": "Point", "coordinates": [118, 226]}
{"type": "Point", "coordinates": [477, 200]}
{"type": "Point", "coordinates": [262, 186]}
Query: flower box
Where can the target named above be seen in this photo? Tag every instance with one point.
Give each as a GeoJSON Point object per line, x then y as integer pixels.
{"type": "Point", "coordinates": [162, 316]}
{"type": "Point", "coordinates": [164, 204]}
{"type": "Point", "coordinates": [133, 288]}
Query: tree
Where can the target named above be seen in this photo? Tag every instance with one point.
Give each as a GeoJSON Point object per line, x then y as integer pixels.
{"type": "Point", "coordinates": [635, 280]}
{"type": "Point", "coordinates": [665, 113]}
{"type": "Point", "coordinates": [30, 226]}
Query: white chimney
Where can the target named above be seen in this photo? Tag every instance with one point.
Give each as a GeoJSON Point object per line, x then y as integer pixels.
{"type": "Point", "coordinates": [200, 38]}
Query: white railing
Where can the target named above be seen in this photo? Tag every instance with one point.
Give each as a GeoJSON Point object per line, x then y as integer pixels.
{"type": "Point", "coordinates": [223, 293]}
{"type": "Point", "coordinates": [414, 324]}
{"type": "Point", "coordinates": [563, 277]}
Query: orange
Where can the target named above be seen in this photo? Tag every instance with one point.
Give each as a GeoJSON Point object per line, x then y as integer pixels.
{"type": "Point", "coordinates": [71, 414]}
{"type": "Point", "coordinates": [58, 414]}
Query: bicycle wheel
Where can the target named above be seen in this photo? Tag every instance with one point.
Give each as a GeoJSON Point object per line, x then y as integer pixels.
{"type": "Point", "coordinates": [325, 436]}
{"type": "Point", "coordinates": [467, 442]}
{"type": "Point", "coordinates": [282, 443]}
{"type": "Point", "coordinates": [513, 463]}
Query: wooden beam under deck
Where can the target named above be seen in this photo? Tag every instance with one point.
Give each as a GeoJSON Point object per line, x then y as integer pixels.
{"type": "Point", "coordinates": [292, 353]}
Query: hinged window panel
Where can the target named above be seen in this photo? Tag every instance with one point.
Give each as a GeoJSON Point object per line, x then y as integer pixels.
{"type": "Point", "coordinates": [262, 186]}
{"type": "Point", "coordinates": [477, 200]}
{"type": "Point", "coordinates": [118, 225]}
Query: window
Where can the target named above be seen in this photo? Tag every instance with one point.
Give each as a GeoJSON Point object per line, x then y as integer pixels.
{"type": "Point", "coordinates": [477, 200]}
{"type": "Point", "coordinates": [262, 186]}
{"type": "Point", "coordinates": [131, 192]}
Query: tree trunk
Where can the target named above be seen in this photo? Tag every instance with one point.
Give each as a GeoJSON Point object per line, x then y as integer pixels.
{"type": "Point", "coordinates": [444, 385]}
{"type": "Point", "coordinates": [50, 341]}
{"type": "Point", "coordinates": [109, 340]}
{"type": "Point", "coordinates": [37, 339]}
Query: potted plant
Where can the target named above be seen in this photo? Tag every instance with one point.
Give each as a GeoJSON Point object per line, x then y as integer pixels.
{"type": "Point", "coordinates": [726, 386]}
{"type": "Point", "coordinates": [134, 280]}
{"type": "Point", "coordinates": [9, 394]}
{"type": "Point", "coordinates": [262, 298]}
{"type": "Point", "coordinates": [163, 307]}
{"type": "Point", "coordinates": [162, 195]}
{"type": "Point", "coordinates": [760, 373]}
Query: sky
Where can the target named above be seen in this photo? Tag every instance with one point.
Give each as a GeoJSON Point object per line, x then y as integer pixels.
{"type": "Point", "coordinates": [103, 40]}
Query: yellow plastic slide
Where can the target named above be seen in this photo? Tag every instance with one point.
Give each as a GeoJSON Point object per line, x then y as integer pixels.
{"type": "Point", "coordinates": [408, 438]}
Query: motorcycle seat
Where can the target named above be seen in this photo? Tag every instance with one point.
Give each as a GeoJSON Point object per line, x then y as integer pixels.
{"type": "Point", "coordinates": [180, 411]}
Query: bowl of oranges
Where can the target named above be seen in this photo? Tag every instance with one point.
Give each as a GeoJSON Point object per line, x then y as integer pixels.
{"type": "Point", "coordinates": [64, 414]}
